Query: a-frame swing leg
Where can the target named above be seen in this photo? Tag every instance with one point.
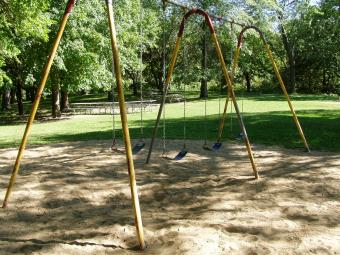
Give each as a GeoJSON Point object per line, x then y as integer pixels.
{"type": "Point", "coordinates": [237, 110]}
{"type": "Point", "coordinates": [278, 76]}
{"type": "Point", "coordinates": [224, 114]}
{"type": "Point", "coordinates": [222, 121]}
{"type": "Point", "coordinates": [165, 91]}
{"type": "Point", "coordinates": [284, 90]}
{"type": "Point", "coordinates": [126, 133]}
{"type": "Point", "coordinates": [36, 102]}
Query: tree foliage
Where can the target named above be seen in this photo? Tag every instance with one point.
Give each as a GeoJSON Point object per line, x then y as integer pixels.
{"type": "Point", "coordinates": [304, 38]}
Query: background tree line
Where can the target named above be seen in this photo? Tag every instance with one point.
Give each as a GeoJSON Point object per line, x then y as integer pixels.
{"type": "Point", "coordinates": [304, 37]}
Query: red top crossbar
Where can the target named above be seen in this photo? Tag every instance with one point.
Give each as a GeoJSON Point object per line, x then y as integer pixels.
{"type": "Point", "coordinates": [196, 11]}
{"type": "Point", "coordinates": [69, 7]}
{"type": "Point", "coordinates": [240, 38]}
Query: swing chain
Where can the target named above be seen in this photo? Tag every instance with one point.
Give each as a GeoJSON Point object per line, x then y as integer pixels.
{"type": "Point", "coordinates": [184, 102]}
{"type": "Point", "coordinates": [141, 73]}
{"type": "Point", "coordinates": [163, 75]}
{"type": "Point", "coordinates": [113, 146]}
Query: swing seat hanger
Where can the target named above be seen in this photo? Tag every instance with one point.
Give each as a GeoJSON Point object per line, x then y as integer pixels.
{"type": "Point", "coordinates": [114, 148]}
{"type": "Point", "coordinates": [207, 147]}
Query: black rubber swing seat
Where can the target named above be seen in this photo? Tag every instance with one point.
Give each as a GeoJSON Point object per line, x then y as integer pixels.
{"type": "Point", "coordinates": [138, 147]}
{"type": "Point", "coordinates": [217, 146]}
{"type": "Point", "coordinates": [181, 154]}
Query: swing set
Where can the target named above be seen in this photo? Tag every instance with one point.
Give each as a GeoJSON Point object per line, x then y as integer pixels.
{"type": "Point", "coordinates": [278, 76]}
{"type": "Point", "coordinates": [116, 71]}
{"type": "Point", "coordinates": [230, 93]}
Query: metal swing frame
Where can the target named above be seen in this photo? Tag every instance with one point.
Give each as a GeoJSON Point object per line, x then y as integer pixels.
{"type": "Point", "coordinates": [278, 76]}
{"type": "Point", "coordinates": [126, 134]}
{"type": "Point", "coordinates": [226, 75]}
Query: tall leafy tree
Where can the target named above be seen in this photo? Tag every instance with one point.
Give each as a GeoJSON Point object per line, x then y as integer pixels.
{"type": "Point", "coordinates": [21, 24]}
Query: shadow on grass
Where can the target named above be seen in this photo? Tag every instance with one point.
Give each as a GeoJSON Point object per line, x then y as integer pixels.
{"type": "Point", "coordinates": [321, 129]}
{"type": "Point", "coordinates": [281, 97]}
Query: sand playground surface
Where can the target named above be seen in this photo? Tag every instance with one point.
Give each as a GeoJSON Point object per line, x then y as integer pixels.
{"type": "Point", "coordinates": [74, 198]}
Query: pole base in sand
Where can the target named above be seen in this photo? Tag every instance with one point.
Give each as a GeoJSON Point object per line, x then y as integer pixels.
{"type": "Point", "coordinates": [4, 205]}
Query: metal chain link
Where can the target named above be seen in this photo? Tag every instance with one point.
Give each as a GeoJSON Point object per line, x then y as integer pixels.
{"type": "Point", "coordinates": [163, 76]}
{"type": "Point", "coordinates": [141, 73]}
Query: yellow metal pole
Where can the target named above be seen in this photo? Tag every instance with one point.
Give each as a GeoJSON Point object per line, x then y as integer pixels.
{"type": "Point", "coordinates": [165, 91]}
{"type": "Point", "coordinates": [173, 62]}
{"type": "Point", "coordinates": [277, 73]}
{"type": "Point", "coordinates": [232, 95]}
{"type": "Point", "coordinates": [283, 87]}
{"type": "Point", "coordinates": [223, 117]}
{"type": "Point", "coordinates": [36, 102]}
{"type": "Point", "coordinates": [278, 76]}
{"type": "Point", "coordinates": [235, 61]}
{"type": "Point", "coordinates": [126, 134]}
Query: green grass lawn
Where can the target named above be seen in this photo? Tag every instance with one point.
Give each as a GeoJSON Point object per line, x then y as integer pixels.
{"type": "Point", "coordinates": [267, 118]}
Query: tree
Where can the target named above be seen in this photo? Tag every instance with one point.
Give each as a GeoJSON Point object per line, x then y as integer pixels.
{"type": "Point", "coordinates": [21, 24]}
{"type": "Point", "coordinates": [317, 50]}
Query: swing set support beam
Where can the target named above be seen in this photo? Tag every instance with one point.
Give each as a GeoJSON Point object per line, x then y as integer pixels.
{"type": "Point", "coordinates": [278, 76]}
{"type": "Point", "coordinates": [215, 17]}
{"type": "Point", "coordinates": [126, 135]}
{"type": "Point", "coordinates": [226, 75]}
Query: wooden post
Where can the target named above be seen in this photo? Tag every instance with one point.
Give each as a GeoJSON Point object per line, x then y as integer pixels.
{"type": "Point", "coordinates": [126, 134]}
{"type": "Point", "coordinates": [36, 102]}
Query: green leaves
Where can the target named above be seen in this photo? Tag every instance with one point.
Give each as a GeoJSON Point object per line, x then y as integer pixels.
{"type": "Point", "coordinates": [20, 24]}
{"type": "Point", "coordinates": [84, 59]}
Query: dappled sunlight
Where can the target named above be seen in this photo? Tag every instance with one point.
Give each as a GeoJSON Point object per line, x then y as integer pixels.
{"type": "Point", "coordinates": [76, 197]}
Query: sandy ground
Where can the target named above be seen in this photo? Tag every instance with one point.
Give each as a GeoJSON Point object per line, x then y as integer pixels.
{"type": "Point", "coordinates": [74, 198]}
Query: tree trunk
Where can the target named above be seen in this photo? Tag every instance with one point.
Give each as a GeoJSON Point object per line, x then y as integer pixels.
{"type": "Point", "coordinates": [56, 100]}
{"type": "Point", "coordinates": [6, 99]}
{"type": "Point", "coordinates": [19, 98]}
{"type": "Point", "coordinates": [158, 78]}
{"type": "Point", "coordinates": [223, 87]}
{"type": "Point", "coordinates": [292, 71]}
{"type": "Point", "coordinates": [65, 103]}
{"type": "Point", "coordinates": [289, 48]}
{"type": "Point", "coordinates": [309, 81]}
{"type": "Point", "coordinates": [13, 96]}
{"type": "Point", "coordinates": [204, 63]}
{"type": "Point", "coordinates": [109, 96]}
{"type": "Point", "coordinates": [324, 85]}
{"type": "Point", "coordinates": [248, 81]}
{"type": "Point", "coordinates": [134, 86]}
{"type": "Point", "coordinates": [31, 93]}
